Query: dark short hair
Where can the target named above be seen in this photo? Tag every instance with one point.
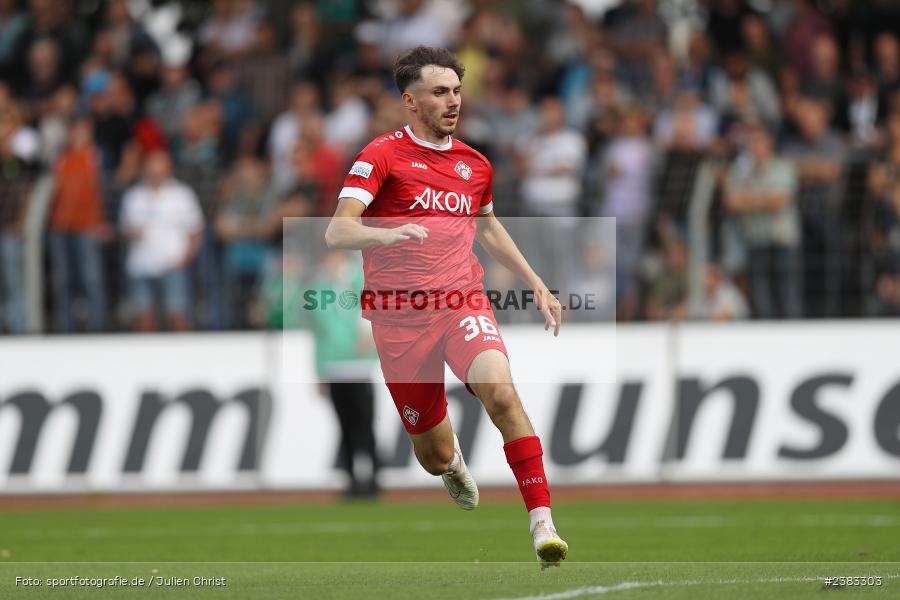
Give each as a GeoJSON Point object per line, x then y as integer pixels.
{"type": "Point", "coordinates": [408, 67]}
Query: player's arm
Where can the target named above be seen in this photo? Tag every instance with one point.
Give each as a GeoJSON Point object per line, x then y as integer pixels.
{"type": "Point", "coordinates": [494, 238]}
{"type": "Point", "coordinates": [346, 231]}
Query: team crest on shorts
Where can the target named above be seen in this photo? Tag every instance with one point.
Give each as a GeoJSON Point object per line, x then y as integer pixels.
{"type": "Point", "coordinates": [463, 170]}
{"type": "Point", "coordinates": [410, 415]}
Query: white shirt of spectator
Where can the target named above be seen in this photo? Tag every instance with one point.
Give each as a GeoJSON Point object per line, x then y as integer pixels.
{"type": "Point", "coordinates": [345, 126]}
{"type": "Point", "coordinates": [282, 140]}
{"type": "Point", "coordinates": [166, 218]}
{"type": "Point", "coordinates": [628, 195]}
{"type": "Point", "coordinates": [425, 27]}
{"type": "Point", "coordinates": [545, 191]}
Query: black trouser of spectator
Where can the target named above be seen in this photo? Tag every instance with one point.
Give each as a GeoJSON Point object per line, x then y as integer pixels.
{"type": "Point", "coordinates": [822, 258]}
{"type": "Point", "coordinates": [354, 403]}
{"type": "Point", "coordinates": [779, 265]}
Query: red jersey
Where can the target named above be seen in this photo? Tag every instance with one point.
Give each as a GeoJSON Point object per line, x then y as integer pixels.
{"type": "Point", "coordinates": [402, 179]}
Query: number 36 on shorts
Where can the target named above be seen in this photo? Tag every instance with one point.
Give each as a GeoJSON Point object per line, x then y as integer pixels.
{"type": "Point", "coordinates": [478, 325]}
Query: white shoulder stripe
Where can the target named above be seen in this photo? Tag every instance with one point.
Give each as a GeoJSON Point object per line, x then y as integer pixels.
{"type": "Point", "coordinates": [360, 194]}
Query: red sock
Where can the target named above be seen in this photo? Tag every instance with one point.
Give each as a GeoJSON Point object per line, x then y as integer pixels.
{"type": "Point", "coordinates": [524, 458]}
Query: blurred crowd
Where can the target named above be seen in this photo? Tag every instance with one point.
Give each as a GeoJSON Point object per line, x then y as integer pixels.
{"type": "Point", "coordinates": [156, 146]}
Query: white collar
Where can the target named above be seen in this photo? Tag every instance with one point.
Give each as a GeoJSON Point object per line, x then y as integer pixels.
{"type": "Point", "coordinates": [431, 145]}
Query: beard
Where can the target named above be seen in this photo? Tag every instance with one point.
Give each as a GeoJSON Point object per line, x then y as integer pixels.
{"type": "Point", "coordinates": [434, 122]}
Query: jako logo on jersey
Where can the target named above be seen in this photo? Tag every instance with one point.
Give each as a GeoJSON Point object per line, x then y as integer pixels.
{"type": "Point", "coordinates": [463, 170]}
{"type": "Point", "coordinates": [436, 200]}
{"type": "Point", "coordinates": [532, 481]}
{"type": "Point", "coordinates": [363, 169]}
{"type": "Point", "coordinates": [419, 165]}
{"type": "Point", "coordinates": [410, 415]}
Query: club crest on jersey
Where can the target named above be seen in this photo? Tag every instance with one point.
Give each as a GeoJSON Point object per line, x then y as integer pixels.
{"type": "Point", "coordinates": [410, 415]}
{"type": "Point", "coordinates": [454, 202]}
{"type": "Point", "coordinates": [463, 170]}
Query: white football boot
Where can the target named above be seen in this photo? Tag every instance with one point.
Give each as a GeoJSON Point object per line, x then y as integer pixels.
{"type": "Point", "coordinates": [548, 546]}
{"type": "Point", "coordinates": [459, 483]}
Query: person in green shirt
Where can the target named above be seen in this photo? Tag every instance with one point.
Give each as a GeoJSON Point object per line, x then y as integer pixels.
{"type": "Point", "coordinates": [344, 356]}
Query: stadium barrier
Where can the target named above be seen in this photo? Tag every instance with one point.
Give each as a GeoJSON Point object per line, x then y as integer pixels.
{"type": "Point", "coordinates": [695, 402]}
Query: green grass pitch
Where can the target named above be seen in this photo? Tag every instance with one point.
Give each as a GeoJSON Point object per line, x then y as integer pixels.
{"type": "Point", "coordinates": [642, 549]}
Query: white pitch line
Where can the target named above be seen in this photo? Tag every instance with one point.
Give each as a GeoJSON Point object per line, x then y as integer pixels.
{"type": "Point", "coordinates": [591, 591]}
{"type": "Point", "coordinates": [631, 585]}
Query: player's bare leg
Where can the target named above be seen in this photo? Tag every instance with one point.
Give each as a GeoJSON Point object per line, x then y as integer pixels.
{"type": "Point", "coordinates": [438, 452]}
{"type": "Point", "coordinates": [489, 376]}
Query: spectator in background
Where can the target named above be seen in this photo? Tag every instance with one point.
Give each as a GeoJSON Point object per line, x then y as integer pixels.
{"type": "Point", "coordinates": [551, 166]}
{"type": "Point", "coordinates": [762, 50]}
{"type": "Point", "coordinates": [163, 223]}
{"type": "Point", "coordinates": [887, 68]}
{"type": "Point", "coordinates": [689, 124]}
{"type": "Point", "coordinates": [319, 165]}
{"type": "Point", "coordinates": [239, 135]}
{"type": "Point", "coordinates": [13, 23]}
{"type": "Point", "coordinates": [286, 131]}
{"type": "Point", "coordinates": [859, 113]}
{"type": "Point", "coordinates": [200, 133]}
{"type": "Point", "coordinates": [886, 245]}
{"type": "Point", "coordinates": [53, 127]}
{"type": "Point", "coordinates": [246, 223]}
{"type": "Point", "coordinates": [739, 87]}
{"type": "Point", "coordinates": [698, 68]}
{"type": "Point", "coordinates": [50, 20]}
{"type": "Point", "coordinates": [884, 173]}
{"type": "Point", "coordinates": [725, 24]}
{"type": "Point", "coordinates": [882, 218]}
{"type": "Point", "coordinates": [683, 134]}
{"type": "Point", "coordinates": [552, 163]}
{"type": "Point", "coordinates": [875, 17]}
{"type": "Point", "coordinates": [637, 35]}
{"type": "Point", "coordinates": [417, 24]}
{"type": "Point", "coordinates": [665, 85]}
{"type": "Point", "coordinates": [722, 300]}
{"type": "Point", "coordinates": [228, 31]}
{"type": "Point", "coordinates": [310, 50]}
{"type": "Point", "coordinates": [627, 167]}
{"type": "Point", "coordinates": [16, 175]}
{"type": "Point", "coordinates": [760, 192]}
{"type": "Point", "coordinates": [344, 354]}
{"type": "Point", "coordinates": [513, 118]}
{"type": "Point", "coordinates": [823, 82]}
{"type": "Point", "coordinates": [345, 124]}
{"type": "Point", "coordinates": [264, 74]}
{"type": "Point", "coordinates": [595, 273]}
{"type": "Point", "coordinates": [594, 93]}
{"type": "Point", "coordinates": [125, 37]}
{"type": "Point", "coordinates": [667, 293]}
{"type": "Point", "coordinates": [45, 76]}
{"type": "Point", "coordinates": [24, 142]}
{"type": "Point", "coordinates": [112, 108]}
{"type": "Point", "coordinates": [807, 25]}
{"type": "Point", "coordinates": [373, 74]}
{"type": "Point", "coordinates": [471, 50]}
{"type": "Point", "coordinates": [819, 154]}
{"type": "Point", "coordinates": [610, 100]}
{"type": "Point", "coordinates": [77, 229]}
{"type": "Point", "coordinates": [179, 93]}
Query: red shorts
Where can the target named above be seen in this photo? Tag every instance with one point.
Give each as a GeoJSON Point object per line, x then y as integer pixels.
{"type": "Point", "coordinates": [412, 360]}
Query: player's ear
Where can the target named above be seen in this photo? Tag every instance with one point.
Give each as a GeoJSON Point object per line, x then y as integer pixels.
{"type": "Point", "coordinates": [409, 101]}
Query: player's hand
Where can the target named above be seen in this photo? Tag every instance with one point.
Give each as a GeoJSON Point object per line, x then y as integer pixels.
{"type": "Point", "coordinates": [404, 233]}
{"type": "Point", "coordinates": [548, 304]}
